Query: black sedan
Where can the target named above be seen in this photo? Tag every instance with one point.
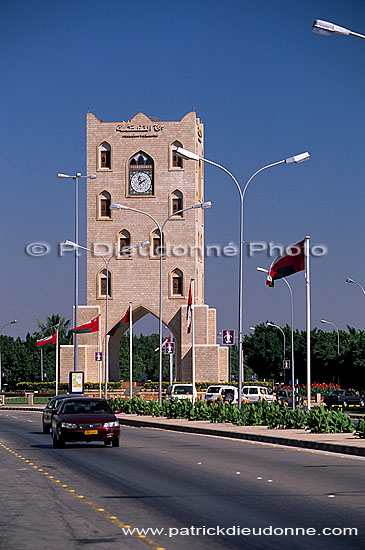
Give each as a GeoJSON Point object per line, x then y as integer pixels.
{"type": "Point", "coordinates": [85, 419]}
{"type": "Point", "coordinates": [343, 398]}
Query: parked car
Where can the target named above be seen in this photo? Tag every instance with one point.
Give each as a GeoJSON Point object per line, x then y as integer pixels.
{"type": "Point", "coordinates": [50, 409]}
{"type": "Point", "coordinates": [344, 398]}
{"type": "Point", "coordinates": [181, 391]}
{"type": "Point", "coordinates": [285, 398]}
{"type": "Point", "coordinates": [227, 393]}
{"type": "Point", "coordinates": [85, 419]}
{"type": "Point", "coordinates": [257, 393]}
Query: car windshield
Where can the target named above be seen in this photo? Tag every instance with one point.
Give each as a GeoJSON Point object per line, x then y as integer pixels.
{"type": "Point", "coordinates": [86, 406]}
{"type": "Point", "coordinates": [213, 389]}
{"type": "Point", "coordinates": [181, 390]}
{"type": "Point", "coordinates": [337, 392]}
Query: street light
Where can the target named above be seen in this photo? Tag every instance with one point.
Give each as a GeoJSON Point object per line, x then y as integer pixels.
{"type": "Point", "coordinates": [348, 280]}
{"type": "Point", "coordinates": [1, 329]}
{"type": "Point", "coordinates": [328, 29]}
{"type": "Point", "coordinates": [76, 178]}
{"type": "Point", "coordinates": [338, 333]}
{"type": "Point", "coordinates": [106, 358]}
{"type": "Point", "coordinates": [292, 330]}
{"type": "Point", "coordinates": [204, 205]}
{"type": "Point", "coordinates": [193, 156]}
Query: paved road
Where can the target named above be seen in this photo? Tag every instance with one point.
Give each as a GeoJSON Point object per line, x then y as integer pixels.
{"type": "Point", "coordinates": [84, 496]}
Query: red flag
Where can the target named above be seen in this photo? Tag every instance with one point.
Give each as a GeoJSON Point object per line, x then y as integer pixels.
{"type": "Point", "coordinates": [286, 265]}
{"type": "Point", "coordinates": [92, 326]}
{"type": "Point", "coordinates": [49, 341]}
{"type": "Point", "coordinates": [189, 310]}
{"type": "Point", "coordinates": [123, 321]}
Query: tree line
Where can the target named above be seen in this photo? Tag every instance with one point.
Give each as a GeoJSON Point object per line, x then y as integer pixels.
{"type": "Point", "coordinates": [263, 355]}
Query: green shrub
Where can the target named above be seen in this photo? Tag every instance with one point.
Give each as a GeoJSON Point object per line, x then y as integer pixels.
{"type": "Point", "coordinates": [360, 432]}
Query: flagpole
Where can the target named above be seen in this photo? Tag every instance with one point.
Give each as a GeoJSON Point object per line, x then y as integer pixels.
{"type": "Point", "coordinates": [192, 337]}
{"type": "Point", "coordinates": [41, 364]}
{"type": "Point", "coordinates": [308, 300]}
{"type": "Point", "coordinates": [130, 351]}
{"type": "Point", "coordinates": [171, 364]}
{"type": "Point", "coordinates": [99, 338]}
{"type": "Point", "coordinates": [57, 360]}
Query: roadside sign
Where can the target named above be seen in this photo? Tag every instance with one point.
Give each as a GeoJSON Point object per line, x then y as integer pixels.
{"type": "Point", "coordinates": [286, 364]}
{"type": "Point", "coordinates": [228, 337]}
{"type": "Point", "coordinates": [76, 382]}
{"type": "Point", "coordinates": [169, 348]}
{"type": "Point", "coordinates": [98, 356]}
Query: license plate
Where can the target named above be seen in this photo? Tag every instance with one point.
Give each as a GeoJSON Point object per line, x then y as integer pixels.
{"type": "Point", "coordinates": [90, 432]}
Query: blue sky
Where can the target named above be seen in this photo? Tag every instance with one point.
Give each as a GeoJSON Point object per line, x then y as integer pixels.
{"type": "Point", "coordinates": [265, 86]}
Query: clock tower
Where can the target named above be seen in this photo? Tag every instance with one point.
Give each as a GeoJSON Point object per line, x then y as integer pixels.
{"type": "Point", "coordinates": [136, 166]}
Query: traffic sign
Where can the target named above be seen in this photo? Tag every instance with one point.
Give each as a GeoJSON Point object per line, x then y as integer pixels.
{"type": "Point", "coordinates": [98, 356]}
{"type": "Point", "coordinates": [169, 348]}
{"type": "Point", "coordinates": [228, 337]}
{"type": "Point", "coordinates": [286, 364]}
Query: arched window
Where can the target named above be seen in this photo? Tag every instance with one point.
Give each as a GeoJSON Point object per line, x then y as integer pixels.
{"type": "Point", "coordinates": [177, 202]}
{"type": "Point", "coordinates": [177, 287]}
{"type": "Point", "coordinates": [124, 242]}
{"type": "Point", "coordinates": [156, 244]}
{"type": "Point", "coordinates": [141, 167]}
{"type": "Point", "coordinates": [103, 275]}
{"type": "Point", "coordinates": [176, 160]}
{"type": "Point", "coordinates": [104, 205]}
{"type": "Point", "coordinates": [105, 160]}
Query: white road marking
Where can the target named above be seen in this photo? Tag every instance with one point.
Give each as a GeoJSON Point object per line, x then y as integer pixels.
{"type": "Point", "coordinates": [331, 496]}
{"type": "Point", "coordinates": [30, 420]}
{"type": "Point", "coordinates": [198, 462]}
{"type": "Point", "coordinates": [269, 480]}
{"type": "Point", "coordinates": [259, 478]}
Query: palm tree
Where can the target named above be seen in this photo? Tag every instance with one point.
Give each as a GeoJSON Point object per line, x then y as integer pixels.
{"type": "Point", "coordinates": [48, 328]}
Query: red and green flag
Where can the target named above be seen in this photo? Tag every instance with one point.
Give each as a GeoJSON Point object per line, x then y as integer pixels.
{"type": "Point", "coordinates": [46, 342]}
{"type": "Point", "coordinates": [291, 262]}
{"type": "Point", "coordinates": [123, 321]}
{"type": "Point", "coordinates": [92, 326]}
{"type": "Point", "coordinates": [189, 310]}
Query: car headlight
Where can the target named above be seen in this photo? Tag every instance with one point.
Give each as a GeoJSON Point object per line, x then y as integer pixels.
{"type": "Point", "coordinates": [114, 424]}
{"type": "Point", "coordinates": [68, 425]}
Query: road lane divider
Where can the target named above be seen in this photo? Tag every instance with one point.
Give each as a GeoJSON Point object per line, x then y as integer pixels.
{"type": "Point", "coordinates": [101, 511]}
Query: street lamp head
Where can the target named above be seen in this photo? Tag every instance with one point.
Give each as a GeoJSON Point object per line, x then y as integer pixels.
{"type": "Point", "coordinates": [298, 158]}
{"type": "Point", "coordinates": [348, 280]}
{"type": "Point", "coordinates": [118, 206]}
{"type": "Point", "coordinates": [13, 322]}
{"type": "Point", "coordinates": [262, 269]}
{"type": "Point", "coordinates": [327, 29]}
{"type": "Point", "coordinates": [324, 321]}
{"type": "Point", "coordinates": [63, 176]}
{"type": "Point", "coordinates": [270, 324]}
{"type": "Point", "coordinates": [204, 205]}
{"type": "Point", "coordinates": [252, 328]}
{"type": "Point", "coordinates": [186, 154]}
{"type": "Point", "coordinates": [145, 243]}
{"type": "Point", "coordinates": [92, 177]}
{"type": "Point", "coordinates": [70, 243]}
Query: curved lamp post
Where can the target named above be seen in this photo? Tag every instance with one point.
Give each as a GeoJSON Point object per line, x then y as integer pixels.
{"type": "Point", "coordinates": [203, 205]}
{"type": "Point", "coordinates": [107, 262]}
{"type": "Point", "coordinates": [292, 330]}
{"type": "Point", "coordinates": [348, 280]}
{"type": "Point", "coordinates": [328, 29]}
{"type": "Point", "coordinates": [1, 329]}
{"type": "Point", "coordinates": [193, 156]}
{"type": "Point", "coordinates": [76, 178]}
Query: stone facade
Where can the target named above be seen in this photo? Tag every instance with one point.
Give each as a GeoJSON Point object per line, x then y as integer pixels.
{"type": "Point", "coordinates": [112, 150]}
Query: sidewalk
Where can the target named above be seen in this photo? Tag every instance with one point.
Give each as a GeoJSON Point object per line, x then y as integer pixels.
{"type": "Point", "coordinates": [343, 443]}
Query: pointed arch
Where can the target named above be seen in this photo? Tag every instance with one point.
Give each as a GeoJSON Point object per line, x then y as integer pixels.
{"type": "Point", "coordinates": [177, 202]}
{"type": "Point", "coordinates": [175, 161]}
{"type": "Point", "coordinates": [103, 210]}
{"type": "Point", "coordinates": [102, 277]}
{"type": "Point", "coordinates": [140, 174]}
{"type": "Point", "coordinates": [104, 156]}
{"type": "Point", "coordinates": [176, 283]}
{"type": "Point", "coordinates": [124, 241]}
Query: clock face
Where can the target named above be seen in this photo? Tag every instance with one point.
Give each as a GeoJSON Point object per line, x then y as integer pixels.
{"type": "Point", "coordinates": [141, 182]}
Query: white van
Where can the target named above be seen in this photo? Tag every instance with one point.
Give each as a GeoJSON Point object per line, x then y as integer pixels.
{"type": "Point", "coordinates": [228, 394]}
{"type": "Point", "coordinates": [181, 391]}
{"type": "Point", "coordinates": [257, 393]}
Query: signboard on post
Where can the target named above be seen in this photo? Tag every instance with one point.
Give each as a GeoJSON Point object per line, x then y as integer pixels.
{"type": "Point", "coordinates": [286, 364]}
{"type": "Point", "coordinates": [169, 348]}
{"type": "Point", "coordinates": [76, 382]}
{"type": "Point", "coordinates": [98, 356]}
{"type": "Point", "coordinates": [228, 337]}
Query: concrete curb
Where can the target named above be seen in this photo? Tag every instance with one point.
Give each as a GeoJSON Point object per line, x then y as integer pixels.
{"type": "Point", "coordinates": [317, 445]}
